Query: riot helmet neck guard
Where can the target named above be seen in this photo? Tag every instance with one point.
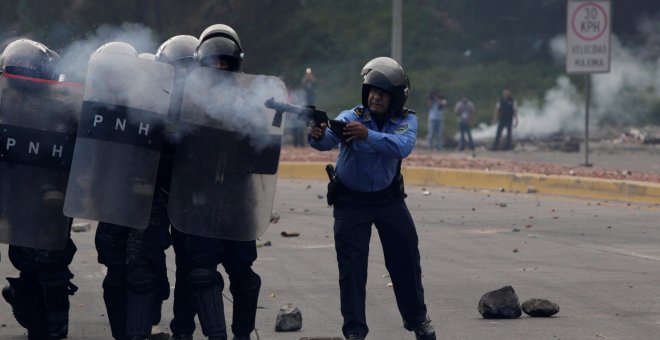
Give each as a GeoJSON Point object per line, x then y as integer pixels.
{"type": "Point", "coordinates": [29, 58]}
{"type": "Point", "coordinates": [220, 44]}
{"type": "Point", "coordinates": [386, 74]}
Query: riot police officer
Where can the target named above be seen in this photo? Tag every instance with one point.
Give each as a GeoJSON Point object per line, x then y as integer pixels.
{"type": "Point", "coordinates": [178, 51]}
{"type": "Point", "coordinates": [220, 48]}
{"type": "Point", "coordinates": [40, 295]}
{"type": "Point", "coordinates": [136, 281]}
{"type": "Point", "coordinates": [368, 189]}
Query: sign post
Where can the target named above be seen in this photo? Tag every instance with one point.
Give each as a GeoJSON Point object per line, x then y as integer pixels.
{"type": "Point", "coordinates": [588, 32]}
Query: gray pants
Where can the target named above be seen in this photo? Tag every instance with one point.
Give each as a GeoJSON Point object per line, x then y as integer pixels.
{"type": "Point", "coordinates": [434, 137]}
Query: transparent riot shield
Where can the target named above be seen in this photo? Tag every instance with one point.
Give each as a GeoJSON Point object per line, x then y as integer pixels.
{"type": "Point", "coordinates": [38, 122]}
{"type": "Point", "coordinates": [119, 140]}
{"type": "Point", "coordinates": [225, 165]}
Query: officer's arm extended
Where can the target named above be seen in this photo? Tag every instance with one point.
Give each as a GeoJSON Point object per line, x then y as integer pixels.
{"type": "Point", "coordinates": [328, 139]}
{"type": "Point", "coordinates": [397, 144]}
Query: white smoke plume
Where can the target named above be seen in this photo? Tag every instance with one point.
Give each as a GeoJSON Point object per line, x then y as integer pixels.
{"type": "Point", "coordinates": [617, 97]}
{"type": "Point", "coordinates": [235, 106]}
{"type": "Point", "coordinates": [234, 102]}
{"type": "Point", "coordinates": [74, 58]}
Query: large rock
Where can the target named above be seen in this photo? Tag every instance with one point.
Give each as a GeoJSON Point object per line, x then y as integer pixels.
{"type": "Point", "coordinates": [540, 308]}
{"type": "Point", "coordinates": [288, 319]}
{"type": "Point", "coordinates": [500, 304]}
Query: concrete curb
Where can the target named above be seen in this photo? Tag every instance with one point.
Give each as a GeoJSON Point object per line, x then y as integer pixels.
{"type": "Point", "coordinates": [605, 189]}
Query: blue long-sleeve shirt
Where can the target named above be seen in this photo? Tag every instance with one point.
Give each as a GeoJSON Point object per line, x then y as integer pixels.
{"type": "Point", "coordinates": [370, 165]}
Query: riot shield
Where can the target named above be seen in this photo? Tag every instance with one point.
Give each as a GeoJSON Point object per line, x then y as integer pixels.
{"type": "Point", "coordinates": [225, 165]}
{"type": "Point", "coordinates": [38, 121]}
{"type": "Point", "coordinates": [119, 140]}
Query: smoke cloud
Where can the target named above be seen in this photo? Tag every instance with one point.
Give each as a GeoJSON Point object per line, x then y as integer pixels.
{"type": "Point", "coordinates": [234, 102]}
{"type": "Point", "coordinates": [625, 96]}
{"type": "Point", "coordinates": [74, 58]}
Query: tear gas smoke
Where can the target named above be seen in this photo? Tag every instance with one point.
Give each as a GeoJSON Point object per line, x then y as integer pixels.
{"type": "Point", "coordinates": [117, 79]}
{"type": "Point", "coordinates": [234, 102]}
{"type": "Point", "coordinates": [74, 58]}
{"type": "Point", "coordinates": [623, 96]}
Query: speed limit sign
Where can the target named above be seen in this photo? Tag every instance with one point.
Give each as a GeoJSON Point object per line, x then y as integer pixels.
{"type": "Point", "coordinates": [588, 24]}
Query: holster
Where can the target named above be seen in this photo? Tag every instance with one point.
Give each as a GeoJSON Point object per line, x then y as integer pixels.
{"type": "Point", "coordinates": [333, 191]}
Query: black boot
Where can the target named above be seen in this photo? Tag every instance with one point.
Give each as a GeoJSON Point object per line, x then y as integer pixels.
{"type": "Point", "coordinates": [207, 291]}
{"type": "Point", "coordinates": [245, 291]}
{"type": "Point", "coordinates": [141, 301]}
{"type": "Point", "coordinates": [26, 299]}
{"type": "Point", "coordinates": [423, 331]}
{"type": "Point", "coordinates": [9, 294]}
{"type": "Point", "coordinates": [56, 300]}
{"type": "Point", "coordinates": [114, 295]}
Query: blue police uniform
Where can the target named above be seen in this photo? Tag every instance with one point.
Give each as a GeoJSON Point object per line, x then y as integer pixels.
{"type": "Point", "coordinates": [367, 171]}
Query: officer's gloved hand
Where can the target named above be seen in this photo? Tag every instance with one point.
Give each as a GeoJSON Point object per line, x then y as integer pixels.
{"type": "Point", "coordinates": [316, 131]}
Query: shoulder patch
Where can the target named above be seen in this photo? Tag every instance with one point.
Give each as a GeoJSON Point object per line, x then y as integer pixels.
{"type": "Point", "coordinates": [401, 129]}
{"type": "Point", "coordinates": [358, 111]}
{"type": "Point", "coordinates": [407, 111]}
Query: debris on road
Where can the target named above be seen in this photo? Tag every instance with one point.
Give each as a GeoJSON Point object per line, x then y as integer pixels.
{"type": "Point", "coordinates": [500, 304]}
{"type": "Point", "coordinates": [265, 244]}
{"type": "Point", "coordinates": [540, 308]}
{"type": "Point", "coordinates": [274, 217]}
{"type": "Point", "coordinates": [289, 318]}
{"type": "Point", "coordinates": [290, 234]}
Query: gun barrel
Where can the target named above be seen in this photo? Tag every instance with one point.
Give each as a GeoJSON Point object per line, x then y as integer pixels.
{"type": "Point", "coordinates": [285, 107]}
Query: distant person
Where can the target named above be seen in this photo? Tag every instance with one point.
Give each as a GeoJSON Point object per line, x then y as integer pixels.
{"type": "Point", "coordinates": [299, 126]}
{"type": "Point", "coordinates": [506, 116]}
{"type": "Point", "coordinates": [308, 83]}
{"type": "Point", "coordinates": [465, 111]}
{"type": "Point", "coordinates": [436, 103]}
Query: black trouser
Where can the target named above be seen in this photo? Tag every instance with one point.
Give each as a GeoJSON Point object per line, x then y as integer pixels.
{"type": "Point", "coordinates": [501, 126]}
{"type": "Point", "coordinates": [466, 131]}
{"type": "Point", "coordinates": [136, 282]}
{"type": "Point", "coordinates": [184, 308]}
{"type": "Point", "coordinates": [237, 258]}
{"type": "Point", "coordinates": [41, 293]}
{"type": "Point", "coordinates": [396, 229]}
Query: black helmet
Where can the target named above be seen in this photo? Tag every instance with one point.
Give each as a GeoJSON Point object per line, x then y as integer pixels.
{"type": "Point", "coordinates": [117, 47]}
{"type": "Point", "coordinates": [29, 58]}
{"type": "Point", "coordinates": [177, 48]}
{"type": "Point", "coordinates": [386, 74]}
{"type": "Point", "coordinates": [220, 42]}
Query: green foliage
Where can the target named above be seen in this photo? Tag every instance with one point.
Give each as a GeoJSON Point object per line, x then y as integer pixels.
{"type": "Point", "coordinates": [471, 46]}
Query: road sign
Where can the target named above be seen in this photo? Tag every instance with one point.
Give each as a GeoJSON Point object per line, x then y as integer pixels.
{"type": "Point", "coordinates": [588, 24]}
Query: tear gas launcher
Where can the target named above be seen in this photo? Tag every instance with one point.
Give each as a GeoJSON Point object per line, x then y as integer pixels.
{"type": "Point", "coordinates": [307, 113]}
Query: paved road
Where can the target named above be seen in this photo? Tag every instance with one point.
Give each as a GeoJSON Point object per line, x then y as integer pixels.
{"type": "Point", "coordinates": [612, 157]}
{"type": "Point", "coordinates": [598, 260]}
